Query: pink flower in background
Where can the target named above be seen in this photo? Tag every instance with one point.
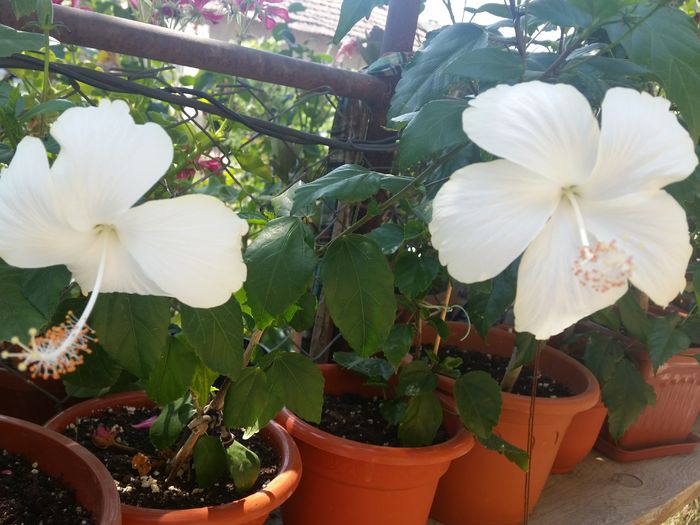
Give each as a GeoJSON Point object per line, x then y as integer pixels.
{"type": "Point", "coordinates": [268, 15]}
{"type": "Point", "coordinates": [212, 165]}
{"type": "Point", "coordinates": [347, 48]}
{"type": "Point", "coordinates": [73, 3]}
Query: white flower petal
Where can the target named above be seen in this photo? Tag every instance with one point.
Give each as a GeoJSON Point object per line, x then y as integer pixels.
{"type": "Point", "coordinates": [653, 229]}
{"type": "Point", "coordinates": [546, 128]}
{"type": "Point", "coordinates": [122, 273]}
{"type": "Point", "coordinates": [642, 146]}
{"type": "Point", "coordinates": [33, 231]}
{"type": "Point", "coordinates": [190, 246]}
{"type": "Point", "coordinates": [106, 162]}
{"type": "Point", "coordinates": [486, 215]}
{"type": "Point", "coordinates": [548, 297]}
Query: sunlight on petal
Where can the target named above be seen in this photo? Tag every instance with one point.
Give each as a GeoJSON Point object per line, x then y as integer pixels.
{"type": "Point", "coordinates": [653, 229]}
{"type": "Point", "coordinates": [106, 162]}
{"type": "Point", "coordinates": [642, 146]}
{"type": "Point", "coordinates": [549, 129]}
{"type": "Point", "coordinates": [190, 246]}
{"type": "Point", "coordinates": [33, 232]}
{"type": "Point", "coordinates": [548, 297]}
{"type": "Point", "coordinates": [486, 215]}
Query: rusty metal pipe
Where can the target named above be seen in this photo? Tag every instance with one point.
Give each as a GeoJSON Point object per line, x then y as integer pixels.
{"type": "Point", "coordinates": [86, 28]}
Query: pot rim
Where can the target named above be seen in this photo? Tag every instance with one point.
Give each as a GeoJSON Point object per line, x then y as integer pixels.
{"type": "Point", "coordinates": [258, 504]}
{"type": "Point", "coordinates": [111, 508]}
{"type": "Point", "coordinates": [458, 444]}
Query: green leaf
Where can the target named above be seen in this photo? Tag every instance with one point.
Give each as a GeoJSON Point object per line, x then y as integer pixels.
{"type": "Point", "coordinates": [305, 317]}
{"type": "Point", "coordinates": [490, 299]}
{"type": "Point", "coordinates": [498, 10]}
{"type": "Point", "coordinates": [202, 380]}
{"type": "Point", "coordinates": [373, 368]}
{"type": "Point", "coordinates": [426, 76]}
{"type": "Point", "coordinates": [488, 64]}
{"type": "Point", "coordinates": [602, 355]}
{"type": "Point", "coordinates": [133, 329]}
{"type": "Point", "coordinates": [297, 381]}
{"type": "Point", "coordinates": [172, 419]}
{"type": "Point", "coordinates": [416, 378]}
{"type": "Point", "coordinates": [216, 334]}
{"type": "Point", "coordinates": [511, 452]}
{"type": "Point", "coordinates": [389, 237]}
{"type": "Point", "coordinates": [667, 44]}
{"type": "Point", "coordinates": [415, 273]}
{"type": "Point", "coordinates": [665, 340]}
{"type": "Point", "coordinates": [526, 345]}
{"type": "Point", "coordinates": [23, 8]}
{"type": "Point", "coordinates": [280, 265]}
{"type": "Point", "coordinates": [559, 12]}
{"type": "Point", "coordinates": [359, 292]}
{"type": "Point", "coordinates": [393, 410]}
{"type": "Point", "coordinates": [348, 183]}
{"type": "Point", "coordinates": [421, 421]}
{"type": "Point", "coordinates": [626, 395]}
{"type": "Point", "coordinates": [17, 313]}
{"type": "Point", "coordinates": [478, 398]}
{"type": "Point", "coordinates": [602, 10]}
{"type": "Point", "coordinates": [351, 12]}
{"type": "Point", "coordinates": [696, 286]}
{"type": "Point", "coordinates": [398, 344]}
{"type": "Point", "coordinates": [436, 127]}
{"type": "Point", "coordinates": [98, 371]}
{"type": "Point", "coordinates": [251, 401]}
{"type": "Point", "coordinates": [691, 328]}
{"type": "Point", "coordinates": [172, 375]}
{"type": "Point", "coordinates": [13, 41]}
{"type": "Point", "coordinates": [210, 461]}
{"type": "Point", "coordinates": [52, 106]}
{"type": "Point", "coordinates": [243, 465]}
{"type": "Point", "coordinates": [44, 287]}
{"type": "Point", "coordinates": [634, 319]}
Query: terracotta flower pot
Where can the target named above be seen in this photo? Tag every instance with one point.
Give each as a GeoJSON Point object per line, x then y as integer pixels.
{"type": "Point", "coordinates": [33, 400]}
{"type": "Point", "coordinates": [580, 437]}
{"type": "Point", "coordinates": [350, 483]}
{"type": "Point", "coordinates": [251, 510]}
{"type": "Point", "coordinates": [483, 487]}
{"type": "Point", "coordinates": [64, 459]}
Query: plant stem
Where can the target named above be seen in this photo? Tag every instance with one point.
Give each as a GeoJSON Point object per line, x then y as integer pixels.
{"type": "Point", "coordinates": [531, 427]}
{"type": "Point", "coordinates": [47, 85]}
{"type": "Point", "coordinates": [443, 315]}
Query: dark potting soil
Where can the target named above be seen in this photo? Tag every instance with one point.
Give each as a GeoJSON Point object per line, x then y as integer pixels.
{"type": "Point", "coordinates": [150, 490]}
{"type": "Point", "coordinates": [359, 418]}
{"type": "Point", "coordinates": [497, 365]}
{"type": "Point", "coordinates": [29, 497]}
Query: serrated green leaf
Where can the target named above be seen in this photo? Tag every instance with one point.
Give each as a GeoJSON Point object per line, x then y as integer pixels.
{"type": "Point", "coordinates": [389, 237]}
{"type": "Point", "coordinates": [626, 395]}
{"type": "Point", "coordinates": [17, 313]}
{"type": "Point", "coordinates": [436, 127]}
{"type": "Point", "coordinates": [499, 10]}
{"type": "Point", "coordinates": [414, 273]}
{"type": "Point", "coordinates": [696, 286]}
{"type": "Point", "coordinates": [691, 328]}
{"type": "Point", "coordinates": [216, 334]}
{"type": "Point", "coordinates": [305, 317]}
{"type": "Point", "coordinates": [44, 287]}
{"type": "Point", "coordinates": [172, 374]}
{"type": "Point", "coordinates": [665, 340]}
{"type": "Point", "coordinates": [251, 401]}
{"type": "Point", "coordinates": [297, 381]}
{"type": "Point", "coordinates": [243, 465]}
{"type": "Point", "coordinates": [210, 461]}
{"type": "Point", "coordinates": [416, 378]}
{"type": "Point", "coordinates": [421, 420]}
{"type": "Point", "coordinates": [488, 64]}
{"type": "Point", "coordinates": [351, 12]}
{"type": "Point", "coordinates": [359, 292]}
{"type": "Point", "coordinates": [511, 452]}
{"type": "Point", "coordinates": [634, 319]}
{"type": "Point", "coordinates": [667, 44]}
{"type": "Point", "coordinates": [398, 344]}
{"type": "Point", "coordinates": [373, 368]}
{"type": "Point", "coordinates": [133, 329]}
{"type": "Point", "coordinates": [425, 77]}
{"type": "Point", "coordinates": [280, 265]}
{"type": "Point", "coordinates": [170, 422]}
{"type": "Point", "coordinates": [348, 183]}
{"type": "Point", "coordinates": [98, 371]}
{"type": "Point", "coordinates": [52, 106]}
{"type": "Point", "coordinates": [13, 41]}
{"type": "Point", "coordinates": [559, 12]}
{"type": "Point", "coordinates": [202, 381]}
{"type": "Point", "coordinates": [602, 355]}
{"type": "Point", "coordinates": [478, 398]}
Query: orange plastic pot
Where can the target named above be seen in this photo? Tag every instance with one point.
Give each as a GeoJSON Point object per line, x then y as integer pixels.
{"type": "Point", "coordinates": [483, 487]}
{"type": "Point", "coordinates": [65, 460]}
{"type": "Point", "coordinates": [580, 438]}
{"type": "Point", "coordinates": [33, 400]}
{"type": "Point", "coordinates": [251, 510]}
{"type": "Point", "coordinates": [350, 483]}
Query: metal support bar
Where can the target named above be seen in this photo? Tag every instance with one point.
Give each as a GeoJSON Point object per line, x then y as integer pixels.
{"type": "Point", "coordinates": [86, 28]}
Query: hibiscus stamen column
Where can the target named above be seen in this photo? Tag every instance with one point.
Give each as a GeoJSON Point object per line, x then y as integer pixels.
{"type": "Point", "coordinates": [62, 347]}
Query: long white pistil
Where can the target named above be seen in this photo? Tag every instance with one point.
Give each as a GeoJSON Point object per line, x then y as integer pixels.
{"type": "Point", "coordinates": [61, 348]}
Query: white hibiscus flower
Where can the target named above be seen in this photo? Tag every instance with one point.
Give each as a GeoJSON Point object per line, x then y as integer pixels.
{"type": "Point", "coordinates": [80, 213]}
{"type": "Point", "coordinates": [584, 203]}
